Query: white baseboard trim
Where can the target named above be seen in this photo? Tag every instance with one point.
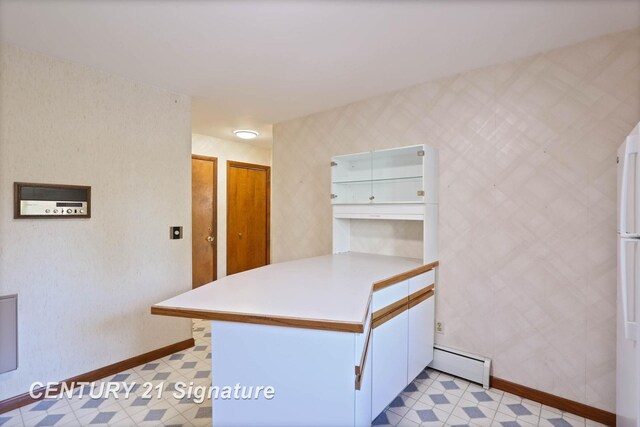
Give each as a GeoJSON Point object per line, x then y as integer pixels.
{"type": "Point", "coordinates": [461, 364]}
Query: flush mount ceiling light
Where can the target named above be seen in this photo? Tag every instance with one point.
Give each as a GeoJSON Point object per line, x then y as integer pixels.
{"type": "Point", "coordinates": [245, 134]}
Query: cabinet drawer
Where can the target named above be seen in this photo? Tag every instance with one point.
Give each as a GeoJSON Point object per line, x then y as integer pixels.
{"type": "Point", "coordinates": [422, 281]}
{"type": "Point", "coordinates": [389, 295]}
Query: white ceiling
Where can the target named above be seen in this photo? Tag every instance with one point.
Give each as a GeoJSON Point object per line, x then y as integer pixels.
{"type": "Point", "coordinates": [249, 64]}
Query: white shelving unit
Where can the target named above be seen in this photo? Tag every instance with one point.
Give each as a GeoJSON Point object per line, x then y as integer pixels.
{"type": "Point", "coordinates": [394, 184]}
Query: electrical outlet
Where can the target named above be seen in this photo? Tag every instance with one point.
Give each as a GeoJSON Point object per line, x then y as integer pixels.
{"type": "Point", "coordinates": [440, 327]}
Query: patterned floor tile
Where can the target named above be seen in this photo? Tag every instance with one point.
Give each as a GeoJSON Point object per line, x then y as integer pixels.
{"type": "Point", "coordinates": [432, 399]}
{"type": "Point", "coordinates": [506, 420]}
{"type": "Point", "coordinates": [454, 421]}
{"type": "Point", "coordinates": [406, 423]}
{"type": "Point", "coordinates": [401, 405]}
{"type": "Point", "coordinates": [443, 401]}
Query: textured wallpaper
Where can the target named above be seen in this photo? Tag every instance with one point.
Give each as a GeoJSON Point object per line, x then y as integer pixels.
{"type": "Point", "coordinates": [527, 203]}
{"type": "Point", "coordinates": [85, 286]}
{"type": "Point", "coordinates": [225, 150]}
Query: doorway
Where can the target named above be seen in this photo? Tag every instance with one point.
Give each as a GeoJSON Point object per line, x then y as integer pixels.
{"type": "Point", "coordinates": [204, 244]}
{"type": "Point", "coordinates": [248, 216]}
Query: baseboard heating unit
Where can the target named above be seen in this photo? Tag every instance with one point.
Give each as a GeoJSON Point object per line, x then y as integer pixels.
{"type": "Point", "coordinates": [460, 364]}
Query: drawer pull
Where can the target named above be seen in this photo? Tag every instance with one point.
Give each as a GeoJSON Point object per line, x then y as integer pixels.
{"type": "Point", "coordinates": [363, 361]}
{"type": "Point", "coordinates": [421, 295]}
{"type": "Point", "coordinates": [389, 312]}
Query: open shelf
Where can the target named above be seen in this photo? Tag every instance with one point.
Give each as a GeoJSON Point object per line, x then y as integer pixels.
{"type": "Point", "coordinates": [399, 185]}
{"type": "Point", "coordinates": [399, 178]}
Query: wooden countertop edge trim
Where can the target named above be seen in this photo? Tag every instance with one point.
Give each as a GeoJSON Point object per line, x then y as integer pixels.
{"type": "Point", "coordinates": [404, 276]}
{"type": "Point", "coordinates": [292, 322]}
{"type": "Point", "coordinates": [392, 310]}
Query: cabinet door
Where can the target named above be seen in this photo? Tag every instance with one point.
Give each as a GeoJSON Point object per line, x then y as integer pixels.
{"type": "Point", "coordinates": [421, 329]}
{"type": "Point", "coordinates": [398, 175]}
{"type": "Point", "coordinates": [351, 179]}
{"type": "Point", "coordinates": [389, 357]}
{"type": "Point", "coordinates": [363, 396]}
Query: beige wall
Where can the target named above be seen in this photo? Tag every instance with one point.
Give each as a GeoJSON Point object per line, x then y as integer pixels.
{"type": "Point", "coordinates": [225, 150]}
{"type": "Point", "coordinates": [527, 203]}
{"type": "Point", "coordinates": [85, 286]}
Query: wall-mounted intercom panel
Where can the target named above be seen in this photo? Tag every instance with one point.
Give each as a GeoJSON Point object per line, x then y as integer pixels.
{"type": "Point", "coordinates": [51, 201]}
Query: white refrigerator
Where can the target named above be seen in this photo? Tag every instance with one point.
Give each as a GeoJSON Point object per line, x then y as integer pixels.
{"type": "Point", "coordinates": [628, 331]}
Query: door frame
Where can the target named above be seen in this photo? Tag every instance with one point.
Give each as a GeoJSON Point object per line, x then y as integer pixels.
{"type": "Point", "coordinates": [267, 169]}
{"type": "Point", "coordinates": [214, 227]}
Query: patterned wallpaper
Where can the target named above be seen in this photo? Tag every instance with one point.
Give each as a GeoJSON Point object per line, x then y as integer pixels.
{"type": "Point", "coordinates": [94, 278]}
{"type": "Point", "coordinates": [527, 203]}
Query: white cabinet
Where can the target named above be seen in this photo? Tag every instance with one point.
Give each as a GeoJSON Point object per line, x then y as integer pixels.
{"type": "Point", "coordinates": [422, 281]}
{"type": "Point", "coordinates": [397, 175]}
{"type": "Point", "coordinates": [363, 394]}
{"type": "Point", "coordinates": [421, 329]}
{"type": "Point", "coordinates": [399, 184]}
{"type": "Point", "coordinates": [351, 179]}
{"type": "Point", "coordinates": [381, 177]}
{"type": "Point", "coordinates": [403, 334]}
{"type": "Point", "coordinates": [390, 346]}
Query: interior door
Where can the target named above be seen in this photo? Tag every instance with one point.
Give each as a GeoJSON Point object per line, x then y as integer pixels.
{"type": "Point", "coordinates": [248, 205]}
{"type": "Point", "coordinates": [204, 172]}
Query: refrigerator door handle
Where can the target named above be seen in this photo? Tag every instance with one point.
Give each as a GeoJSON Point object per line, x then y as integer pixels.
{"type": "Point", "coordinates": [631, 148]}
{"type": "Point", "coordinates": [630, 328]}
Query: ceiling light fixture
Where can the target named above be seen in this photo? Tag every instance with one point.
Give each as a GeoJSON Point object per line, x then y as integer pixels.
{"type": "Point", "coordinates": [246, 134]}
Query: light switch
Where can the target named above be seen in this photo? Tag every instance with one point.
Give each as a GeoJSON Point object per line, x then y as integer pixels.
{"type": "Point", "coordinates": [176, 232]}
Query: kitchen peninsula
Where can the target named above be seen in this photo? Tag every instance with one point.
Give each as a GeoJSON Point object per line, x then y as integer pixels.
{"type": "Point", "coordinates": [338, 336]}
{"type": "Point", "coordinates": [313, 329]}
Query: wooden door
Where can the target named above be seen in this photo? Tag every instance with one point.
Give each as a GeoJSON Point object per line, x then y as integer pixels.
{"type": "Point", "coordinates": [204, 245]}
{"type": "Point", "coordinates": [248, 206]}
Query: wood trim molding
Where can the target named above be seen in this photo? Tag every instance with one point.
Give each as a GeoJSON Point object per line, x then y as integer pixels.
{"type": "Point", "coordinates": [115, 368]}
{"type": "Point", "coordinates": [586, 411]}
{"type": "Point", "coordinates": [208, 158]}
{"type": "Point", "coordinates": [292, 322]}
{"type": "Point", "coordinates": [363, 357]}
{"type": "Point", "coordinates": [390, 315]}
{"type": "Point", "coordinates": [368, 312]}
{"type": "Point", "coordinates": [404, 276]}
{"type": "Point", "coordinates": [421, 295]}
{"type": "Point", "coordinates": [378, 318]}
{"type": "Point", "coordinates": [390, 308]}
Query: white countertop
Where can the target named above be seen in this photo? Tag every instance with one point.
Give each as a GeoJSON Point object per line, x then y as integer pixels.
{"type": "Point", "coordinates": [333, 288]}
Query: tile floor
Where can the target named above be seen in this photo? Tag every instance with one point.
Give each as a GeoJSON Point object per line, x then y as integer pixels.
{"type": "Point", "coordinates": [433, 399]}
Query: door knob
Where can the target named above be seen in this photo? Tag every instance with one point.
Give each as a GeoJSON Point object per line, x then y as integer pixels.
{"type": "Point", "coordinates": [239, 234]}
{"type": "Point", "coordinates": [210, 239]}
